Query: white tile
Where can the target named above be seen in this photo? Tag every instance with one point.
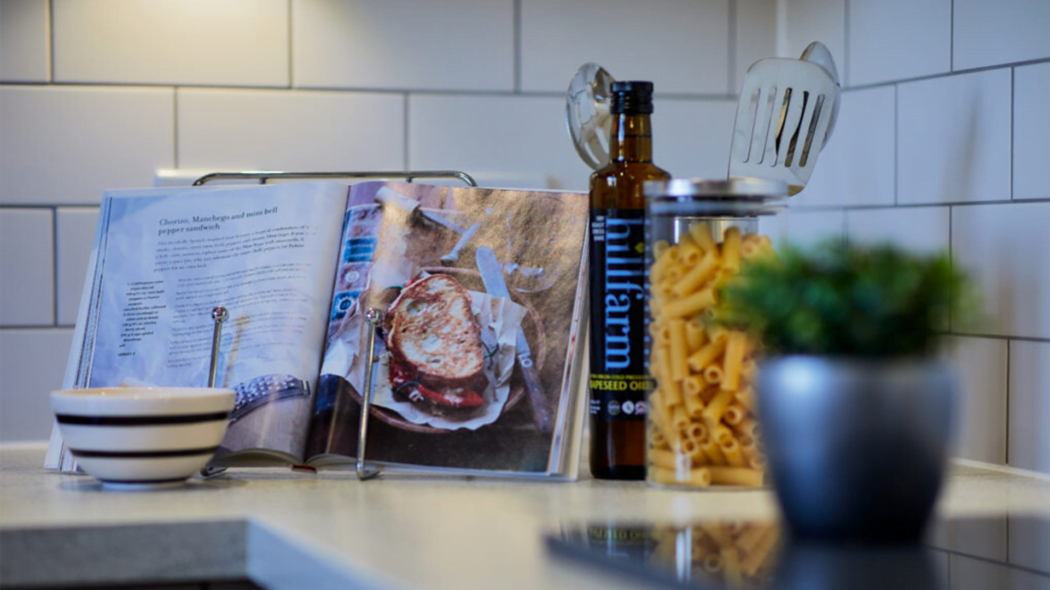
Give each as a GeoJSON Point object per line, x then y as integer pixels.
{"type": "Point", "coordinates": [756, 36]}
{"type": "Point", "coordinates": [32, 363]}
{"type": "Point", "coordinates": [805, 21]}
{"type": "Point", "coordinates": [76, 234]}
{"type": "Point", "coordinates": [27, 290]}
{"type": "Point", "coordinates": [290, 130]}
{"type": "Point", "coordinates": [680, 45]}
{"type": "Point", "coordinates": [691, 138]}
{"type": "Point", "coordinates": [967, 573]}
{"type": "Point", "coordinates": [523, 136]}
{"type": "Point", "coordinates": [898, 39]}
{"type": "Point", "coordinates": [806, 228]}
{"type": "Point", "coordinates": [1030, 543]}
{"type": "Point", "coordinates": [856, 166]}
{"type": "Point", "coordinates": [449, 45]}
{"type": "Point", "coordinates": [1000, 32]}
{"type": "Point", "coordinates": [25, 47]}
{"type": "Point", "coordinates": [977, 536]}
{"type": "Point", "coordinates": [1031, 130]}
{"type": "Point", "coordinates": [1006, 248]}
{"type": "Point", "coordinates": [233, 42]}
{"type": "Point", "coordinates": [981, 367]}
{"type": "Point", "coordinates": [1030, 405]}
{"type": "Point", "coordinates": [953, 140]}
{"type": "Point", "coordinates": [918, 229]}
{"type": "Point", "coordinates": [65, 145]}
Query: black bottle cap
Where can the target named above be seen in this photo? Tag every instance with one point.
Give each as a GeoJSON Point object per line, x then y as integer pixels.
{"type": "Point", "coordinates": [631, 97]}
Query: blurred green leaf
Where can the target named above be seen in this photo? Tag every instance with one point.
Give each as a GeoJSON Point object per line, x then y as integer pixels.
{"type": "Point", "coordinates": [837, 299]}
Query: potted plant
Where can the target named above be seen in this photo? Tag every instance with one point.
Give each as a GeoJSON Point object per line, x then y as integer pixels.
{"type": "Point", "coordinates": [856, 406]}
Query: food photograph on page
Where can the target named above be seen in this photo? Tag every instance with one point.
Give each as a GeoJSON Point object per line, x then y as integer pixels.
{"type": "Point", "coordinates": [479, 298]}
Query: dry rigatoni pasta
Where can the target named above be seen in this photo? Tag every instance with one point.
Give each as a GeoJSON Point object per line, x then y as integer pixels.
{"type": "Point", "coordinates": [703, 410]}
{"type": "Point", "coordinates": [726, 554]}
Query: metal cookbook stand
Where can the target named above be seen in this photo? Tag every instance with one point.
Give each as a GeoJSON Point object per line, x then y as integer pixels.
{"type": "Point", "coordinates": [374, 316]}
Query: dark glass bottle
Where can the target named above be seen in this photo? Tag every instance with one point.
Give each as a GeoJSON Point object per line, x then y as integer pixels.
{"type": "Point", "coordinates": [618, 379]}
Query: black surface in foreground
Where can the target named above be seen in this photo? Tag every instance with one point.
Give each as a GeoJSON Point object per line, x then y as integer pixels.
{"type": "Point", "coordinates": [998, 552]}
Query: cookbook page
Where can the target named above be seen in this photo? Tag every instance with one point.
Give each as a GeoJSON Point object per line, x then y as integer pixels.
{"type": "Point", "coordinates": [167, 257]}
{"type": "Point", "coordinates": [480, 295]}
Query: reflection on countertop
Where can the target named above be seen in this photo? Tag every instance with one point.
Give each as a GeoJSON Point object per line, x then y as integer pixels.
{"type": "Point", "coordinates": [285, 529]}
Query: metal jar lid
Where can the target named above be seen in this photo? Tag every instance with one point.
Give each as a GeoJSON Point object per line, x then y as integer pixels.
{"type": "Point", "coordinates": [699, 196]}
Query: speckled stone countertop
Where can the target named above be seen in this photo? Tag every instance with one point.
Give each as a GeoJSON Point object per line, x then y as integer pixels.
{"type": "Point", "coordinates": [285, 529]}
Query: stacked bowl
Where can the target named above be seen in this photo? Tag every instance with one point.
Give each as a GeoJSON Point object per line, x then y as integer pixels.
{"type": "Point", "coordinates": [142, 437]}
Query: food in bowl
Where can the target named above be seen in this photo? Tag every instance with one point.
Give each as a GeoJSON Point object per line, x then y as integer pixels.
{"type": "Point", "coordinates": [142, 436]}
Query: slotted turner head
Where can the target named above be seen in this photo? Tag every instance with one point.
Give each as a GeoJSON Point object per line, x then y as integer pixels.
{"type": "Point", "coordinates": [785, 115]}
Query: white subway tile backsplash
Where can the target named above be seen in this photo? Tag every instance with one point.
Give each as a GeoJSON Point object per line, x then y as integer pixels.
{"type": "Point", "coordinates": [25, 42]}
{"type": "Point", "coordinates": [806, 21]}
{"type": "Point", "coordinates": [968, 573]}
{"type": "Point", "coordinates": [27, 261]}
{"type": "Point", "coordinates": [485, 134]}
{"type": "Point", "coordinates": [856, 166]}
{"type": "Point", "coordinates": [1029, 542]}
{"type": "Point", "coordinates": [32, 363]}
{"type": "Point", "coordinates": [953, 138]}
{"type": "Point", "coordinates": [989, 33]}
{"type": "Point", "coordinates": [981, 368]}
{"type": "Point", "coordinates": [898, 39]}
{"type": "Point", "coordinates": [691, 138]}
{"type": "Point", "coordinates": [198, 42]}
{"type": "Point", "coordinates": [449, 45]}
{"type": "Point", "coordinates": [984, 536]}
{"type": "Point", "coordinates": [65, 145]}
{"type": "Point", "coordinates": [75, 229]}
{"type": "Point", "coordinates": [1030, 405]}
{"type": "Point", "coordinates": [756, 36]}
{"type": "Point", "coordinates": [1031, 130]}
{"type": "Point", "coordinates": [919, 229]}
{"type": "Point", "coordinates": [290, 130]}
{"type": "Point", "coordinates": [1007, 250]}
{"type": "Point", "coordinates": [398, 84]}
{"type": "Point", "coordinates": [805, 228]}
{"type": "Point", "coordinates": [680, 45]}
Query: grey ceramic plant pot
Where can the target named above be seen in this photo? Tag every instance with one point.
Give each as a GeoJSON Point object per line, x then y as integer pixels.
{"type": "Point", "coordinates": [856, 448]}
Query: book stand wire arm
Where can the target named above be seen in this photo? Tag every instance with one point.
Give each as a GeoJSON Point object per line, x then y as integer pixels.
{"type": "Point", "coordinates": [374, 316]}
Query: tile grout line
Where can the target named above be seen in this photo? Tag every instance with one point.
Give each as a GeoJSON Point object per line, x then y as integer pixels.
{"type": "Point", "coordinates": [1007, 411]}
{"type": "Point", "coordinates": [731, 55]}
{"type": "Point", "coordinates": [517, 47]}
{"type": "Point", "coordinates": [1009, 337]}
{"type": "Point", "coordinates": [405, 137]}
{"type": "Point", "coordinates": [175, 125]}
{"type": "Point", "coordinates": [977, 70]}
{"type": "Point", "coordinates": [845, 48]}
{"type": "Point", "coordinates": [951, 36]}
{"type": "Point", "coordinates": [54, 266]}
{"type": "Point", "coordinates": [819, 208]}
{"type": "Point", "coordinates": [51, 41]}
{"type": "Point", "coordinates": [290, 72]}
{"type": "Point", "coordinates": [1013, 107]}
{"type": "Point", "coordinates": [896, 144]}
{"type": "Point", "coordinates": [951, 262]}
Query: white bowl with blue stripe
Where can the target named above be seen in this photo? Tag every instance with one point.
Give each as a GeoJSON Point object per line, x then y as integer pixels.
{"type": "Point", "coordinates": [142, 437]}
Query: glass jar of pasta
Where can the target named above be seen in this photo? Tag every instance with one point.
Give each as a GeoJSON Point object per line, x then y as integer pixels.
{"type": "Point", "coordinates": [702, 426]}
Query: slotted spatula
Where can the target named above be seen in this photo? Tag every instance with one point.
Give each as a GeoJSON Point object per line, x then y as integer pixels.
{"type": "Point", "coordinates": [785, 115]}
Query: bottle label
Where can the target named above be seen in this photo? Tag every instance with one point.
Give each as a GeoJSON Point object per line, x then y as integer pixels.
{"type": "Point", "coordinates": [619, 382]}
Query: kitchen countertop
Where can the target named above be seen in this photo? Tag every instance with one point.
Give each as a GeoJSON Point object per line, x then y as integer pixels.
{"type": "Point", "coordinates": [286, 529]}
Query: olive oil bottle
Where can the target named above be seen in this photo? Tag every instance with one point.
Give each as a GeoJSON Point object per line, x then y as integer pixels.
{"type": "Point", "coordinates": [618, 379]}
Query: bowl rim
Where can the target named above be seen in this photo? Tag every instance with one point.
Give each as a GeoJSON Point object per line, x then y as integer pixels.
{"type": "Point", "coordinates": [143, 392]}
{"type": "Point", "coordinates": [130, 401]}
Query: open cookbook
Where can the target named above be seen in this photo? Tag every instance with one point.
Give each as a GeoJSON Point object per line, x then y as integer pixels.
{"type": "Point", "coordinates": [480, 295]}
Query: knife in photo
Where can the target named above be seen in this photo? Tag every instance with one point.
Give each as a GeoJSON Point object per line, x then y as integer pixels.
{"type": "Point", "coordinates": [492, 275]}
